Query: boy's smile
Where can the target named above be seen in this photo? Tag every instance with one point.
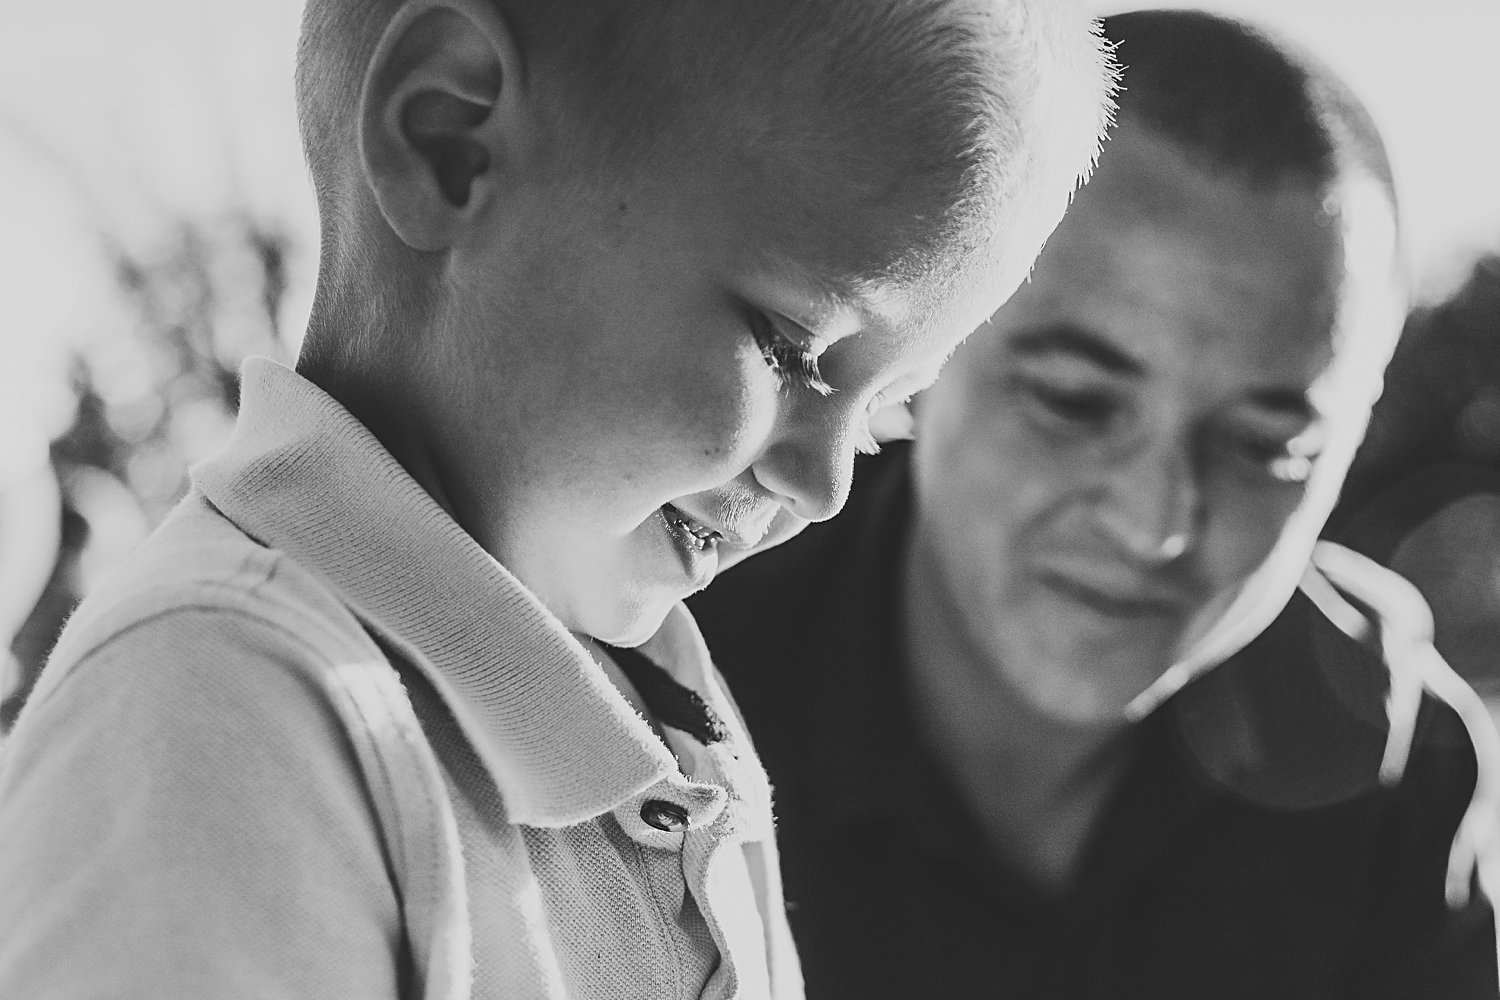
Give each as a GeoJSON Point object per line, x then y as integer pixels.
{"type": "Point", "coordinates": [699, 546]}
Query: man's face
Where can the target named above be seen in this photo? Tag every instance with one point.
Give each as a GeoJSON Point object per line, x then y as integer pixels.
{"type": "Point", "coordinates": [645, 400]}
{"type": "Point", "coordinates": [1102, 470]}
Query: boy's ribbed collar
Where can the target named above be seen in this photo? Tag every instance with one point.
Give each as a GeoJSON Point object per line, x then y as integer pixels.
{"type": "Point", "coordinates": [303, 476]}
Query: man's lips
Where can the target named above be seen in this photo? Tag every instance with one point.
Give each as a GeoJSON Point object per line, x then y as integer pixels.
{"type": "Point", "coordinates": [1118, 599]}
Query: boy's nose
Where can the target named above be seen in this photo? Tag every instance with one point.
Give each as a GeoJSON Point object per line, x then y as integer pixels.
{"type": "Point", "coordinates": [809, 473]}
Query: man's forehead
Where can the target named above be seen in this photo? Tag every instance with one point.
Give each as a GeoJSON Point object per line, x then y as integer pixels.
{"type": "Point", "coordinates": [1139, 300]}
{"type": "Point", "coordinates": [1319, 232]}
{"type": "Point", "coordinates": [1273, 386]}
{"type": "Point", "coordinates": [1145, 178]}
{"type": "Point", "coordinates": [1156, 234]}
{"type": "Point", "coordinates": [1117, 324]}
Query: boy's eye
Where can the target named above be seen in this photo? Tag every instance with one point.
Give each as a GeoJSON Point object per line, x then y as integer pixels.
{"type": "Point", "coordinates": [791, 362]}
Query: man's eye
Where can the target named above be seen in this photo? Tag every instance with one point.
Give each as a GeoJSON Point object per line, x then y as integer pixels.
{"type": "Point", "coordinates": [789, 361]}
{"type": "Point", "coordinates": [1071, 409]}
{"type": "Point", "coordinates": [1272, 456]}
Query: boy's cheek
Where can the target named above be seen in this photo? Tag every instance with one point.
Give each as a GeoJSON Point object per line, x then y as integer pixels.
{"type": "Point", "coordinates": [719, 428]}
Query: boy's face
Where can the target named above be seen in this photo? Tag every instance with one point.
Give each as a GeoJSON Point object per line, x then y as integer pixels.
{"type": "Point", "coordinates": [624, 397]}
{"type": "Point", "coordinates": [1107, 466]}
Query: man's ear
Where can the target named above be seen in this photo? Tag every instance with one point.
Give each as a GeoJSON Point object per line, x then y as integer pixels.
{"type": "Point", "coordinates": [440, 112]}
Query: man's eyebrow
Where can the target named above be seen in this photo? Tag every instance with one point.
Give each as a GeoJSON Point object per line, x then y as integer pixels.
{"type": "Point", "coordinates": [1068, 338]}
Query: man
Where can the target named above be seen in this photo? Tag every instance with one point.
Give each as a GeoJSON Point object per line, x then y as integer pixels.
{"type": "Point", "coordinates": [1001, 768]}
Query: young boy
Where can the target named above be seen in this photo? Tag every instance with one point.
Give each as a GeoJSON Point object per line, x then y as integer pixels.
{"type": "Point", "coordinates": [607, 290]}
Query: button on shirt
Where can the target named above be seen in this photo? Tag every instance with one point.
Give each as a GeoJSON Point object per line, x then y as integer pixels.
{"type": "Point", "coordinates": [312, 741]}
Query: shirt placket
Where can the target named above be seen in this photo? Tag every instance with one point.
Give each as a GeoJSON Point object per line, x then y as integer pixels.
{"type": "Point", "coordinates": [707, 821]}
{"type": "Point", "coordinates": [718, 876]}
{"type": "Point", "coordinates": [712, 844]}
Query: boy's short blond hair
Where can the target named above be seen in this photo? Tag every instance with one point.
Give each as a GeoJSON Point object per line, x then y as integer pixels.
{"type": "Point", "coordinates": [943, 102]}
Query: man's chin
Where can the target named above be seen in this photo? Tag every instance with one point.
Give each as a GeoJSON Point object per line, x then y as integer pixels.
{"type": "Point", "coordinates": [1086, 685]}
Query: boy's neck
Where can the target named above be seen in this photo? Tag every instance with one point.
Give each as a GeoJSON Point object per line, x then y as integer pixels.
{"type": "Point", "coordinates": [383, 403]}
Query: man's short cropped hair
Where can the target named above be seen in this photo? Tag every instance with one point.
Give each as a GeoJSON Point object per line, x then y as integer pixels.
{"type": "Point", "coordinates": [1242, 102]}
{"type": "Point", "coordinates": [935, 100]}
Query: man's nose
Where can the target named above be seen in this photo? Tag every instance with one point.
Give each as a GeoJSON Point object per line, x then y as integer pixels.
{"type": "Point", "coordinates": [810, 467]}
{"type": "Point", "coordinates": [1150, 506]}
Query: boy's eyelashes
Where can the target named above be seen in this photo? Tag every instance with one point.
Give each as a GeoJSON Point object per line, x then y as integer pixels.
{"type": "Point", "coordinates": [794, 364]}
{"type": "Point", "coordinates": [790, 361]}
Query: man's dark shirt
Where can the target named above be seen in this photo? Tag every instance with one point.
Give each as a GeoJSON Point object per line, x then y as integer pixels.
{"type": "Point", "coordinates": [1248, 852]}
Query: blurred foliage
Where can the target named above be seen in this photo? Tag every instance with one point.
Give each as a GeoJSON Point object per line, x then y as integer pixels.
{"type": "Point", "coordinates": [1442, 395]}
{"type": "Point", "coordinates": [154, 395]}
{"type": "Point", "coordinates": [1423, 496]}
{"type": "Point", "coordinates": [163, 395]}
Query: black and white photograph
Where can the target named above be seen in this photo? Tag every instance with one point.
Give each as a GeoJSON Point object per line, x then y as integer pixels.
{"type": "Point", "coordinates": [750, 500]}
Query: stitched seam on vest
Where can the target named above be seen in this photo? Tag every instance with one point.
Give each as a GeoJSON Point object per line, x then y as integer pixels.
{"type": "Point", "coordinates": [672, 976]}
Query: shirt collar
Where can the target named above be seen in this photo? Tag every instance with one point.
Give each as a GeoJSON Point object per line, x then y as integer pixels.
{"type": "Point", "coordinates": [303, 476]}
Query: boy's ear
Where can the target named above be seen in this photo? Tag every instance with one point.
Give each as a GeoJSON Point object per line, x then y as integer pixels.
{"type": "Point", "coordinates": [440, 110]}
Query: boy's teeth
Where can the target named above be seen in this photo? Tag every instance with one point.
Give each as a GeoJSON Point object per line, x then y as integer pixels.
{"type": "Point", "coordinates": [698, 531]}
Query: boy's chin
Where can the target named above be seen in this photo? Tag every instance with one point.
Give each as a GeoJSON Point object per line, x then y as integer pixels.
{"type": "Point", "coordinates": [630, 623]}
{"type": "Point", "coordinates": [631, 618]}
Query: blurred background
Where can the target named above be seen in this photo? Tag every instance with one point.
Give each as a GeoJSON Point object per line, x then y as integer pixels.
{"type": "Point", "coordinates": [159, 226]}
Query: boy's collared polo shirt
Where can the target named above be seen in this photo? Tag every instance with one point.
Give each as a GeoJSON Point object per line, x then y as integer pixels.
{"type": "Point", "coordinates": [314, 741]}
